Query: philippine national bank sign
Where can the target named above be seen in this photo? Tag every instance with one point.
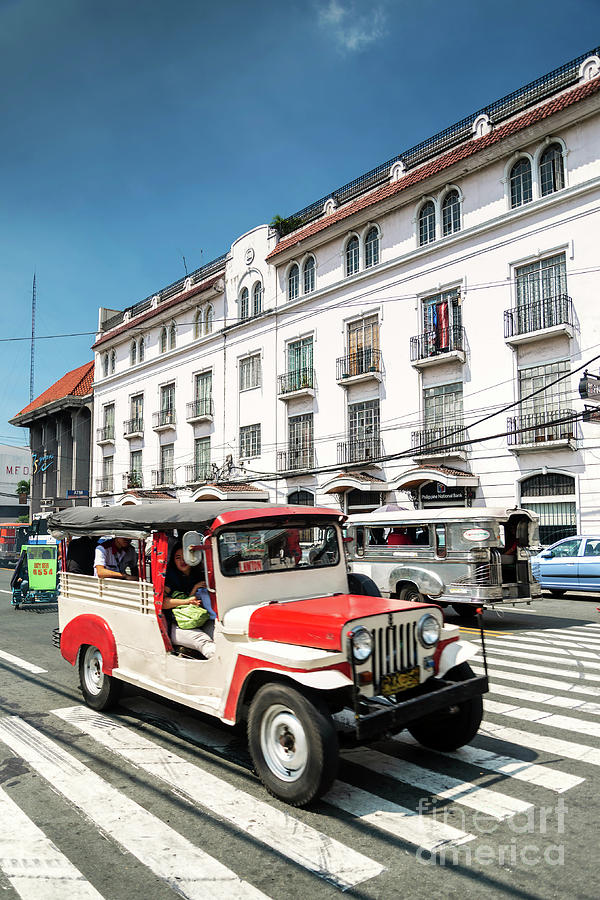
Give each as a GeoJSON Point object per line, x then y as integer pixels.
{"type": "Point", "coordinates": [15, 466]}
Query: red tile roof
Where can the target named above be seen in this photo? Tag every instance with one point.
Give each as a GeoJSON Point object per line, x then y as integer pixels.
{"type": "Point", "coordinates": [469, 148]}
{"type": "Point", "coordinates": [137, 320]}
{"type": "Point", "coordinates": [77, 383]}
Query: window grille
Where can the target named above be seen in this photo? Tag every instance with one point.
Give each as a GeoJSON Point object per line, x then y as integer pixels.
{"type": "Point", "coordinates": [203, 386]}
{"type": "Point", "coordinates": [372, 248]}
{"type": "Point", "coordinates": [352, 256]}
{"type": "Point", "coordinates": [520, 183]}
{"type": "Point", "coordinates": [249, 441]}
{"type": "Point", "coordinates": [250, 372]}
{"type": "Point", "coordinates": [555, 397]}
{"type": "Point", "coordinates": [427, 224]}
{"type": "Point", "coordinates": [301, 498]}
{"type": "Point", "coordinates": [552, 173]}
{"type": "Point", "coordinates": [451, 213]}
{"type": "Point", "coordinates": [443, 405]}
{"type": "Point", "coordinates": [135, 469]}
{"type": "Point", "coordinates": [202, 458]}
{"type": "Point", "coordinates": [553, 484]}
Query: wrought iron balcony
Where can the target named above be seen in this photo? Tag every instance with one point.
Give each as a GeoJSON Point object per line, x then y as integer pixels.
{"type": "Point", "coordinates": [445, 439]}
{"type": "Point", "coordinates": [164, 418]}
{"type": "Point", "coordinates": [436, 343]}
{"type": "Point", "coordinates": [104, 485]}
{"type": "Point", "coordinates": [359, 450]}
{"type": "Point", "coordinates": [542, 428]}
{"type": "Point", "coordinates": [201, 408]}
{"type": "Point", "coordinates": [133, 427]}
{"type": "Point", "coordinates": [365, 362]}
{"type": "Point", "coordinates": [295, 458]}
{"type": "Point", "coordinates": [198, 473]}
{"type": "Point", "coordinates": [105, 434]}
{"type": "Point", "coordinates": [539, 315]}
{"type": "Point", "coordinates": [298, 380]}
{"type": "Point", "coordinates": [133, 479]}
{"type": "Point", "coordinates": [163, 477]}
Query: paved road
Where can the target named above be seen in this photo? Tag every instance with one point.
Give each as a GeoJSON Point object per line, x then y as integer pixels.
{"type": "Point", "coordinates": [155, 801]}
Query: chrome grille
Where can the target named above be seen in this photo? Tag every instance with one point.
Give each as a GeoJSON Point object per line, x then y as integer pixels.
{"type": "Point", "coordinates": [394, 649]}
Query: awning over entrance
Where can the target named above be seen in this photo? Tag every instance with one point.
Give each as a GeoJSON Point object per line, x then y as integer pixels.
{"type": "Point", "coordinates": [354, 481]}
{"type": "Point", "coordinates": [135, 497]}
{"type": "Point", "coordinates": [231, 491]}
{"type": "Point", "coordinates": [419, 475]}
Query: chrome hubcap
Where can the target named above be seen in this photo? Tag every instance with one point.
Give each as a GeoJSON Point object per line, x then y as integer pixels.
{"type": "Point", "coordinates": [283, 743]}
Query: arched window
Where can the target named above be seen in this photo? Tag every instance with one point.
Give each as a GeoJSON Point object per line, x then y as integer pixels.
{"type": "Point", "coordinates": [451, 213]}
{"type": "Point", "coordinates": [371, 248]}
{"type": "Point", "coordinates": [208, 320]}
{"type": "Point", "coordinates": [113, 361]}
{"type": "Point", "coordinates": [552, 172]}
{"type": "Point", "coordinates": [427, 224]}
{"type": "Point", "coordinates": [257, 299]}
{"type": "Point", "coordinates": [293, 282]}
{"type": "Point", "coordinates": [198, 324]}
{"type": "Point", "coordinates": [244, 304]}
{"type": "Point", "coordinates": [162, 343]}
{"type": "Point", "coordinates": [520, 183]}
{"type": "Point", "coordinates": [552, 497]}
{"type": "Point", "coordinates": [352, 256]}
{"type": "Point", "coordinates": [141, 349]}
{"type": "Point", "coordinates": [105, 365]}
{"type": "Point", "coordinates": [309, 275]}
{"type": "Point", "coordinates": [301, 498]}
{"type": "Point", "coordinates": [172, 336]}
{"type": "Point", "coordinates": [133, 353]}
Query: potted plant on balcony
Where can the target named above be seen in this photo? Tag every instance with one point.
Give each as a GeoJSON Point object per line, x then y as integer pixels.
{"type": "Point", "coordinates": [22, 490]}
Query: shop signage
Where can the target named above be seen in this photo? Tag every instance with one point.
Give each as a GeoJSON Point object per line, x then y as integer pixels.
{"type": "Point", "coordinates": [434, 491]}
{"type": "Point", "coordinates": [589, 387]}
{"type": "Point", "coordinates": [591, 414]}
{"type": "Point", "coordinates": [78, 493]}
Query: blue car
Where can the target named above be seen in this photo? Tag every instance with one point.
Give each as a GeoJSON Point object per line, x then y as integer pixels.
{"type": "Point", "coordinates": [572, 564]}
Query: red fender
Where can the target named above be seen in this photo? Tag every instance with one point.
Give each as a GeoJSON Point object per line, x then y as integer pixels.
{"type": "Point", "coordinates": [93, 630]}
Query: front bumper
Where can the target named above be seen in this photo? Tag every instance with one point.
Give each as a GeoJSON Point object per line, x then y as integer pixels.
{"type": "Point", "coordinates": [441, 694]}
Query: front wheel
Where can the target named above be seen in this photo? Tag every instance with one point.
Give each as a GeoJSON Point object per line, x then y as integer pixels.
{"type": "Point", "coordinates": [410, 594]}
{"type": "Point", "coordinates": [293, 744]}
{"type": "Point", "coordinates": [100, 691]}
{"type": "Point", "coordinates": [454, 727]}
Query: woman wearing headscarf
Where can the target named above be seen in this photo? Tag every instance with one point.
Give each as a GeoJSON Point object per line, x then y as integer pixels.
{"type": "Point", "coordinates": [184, 586]}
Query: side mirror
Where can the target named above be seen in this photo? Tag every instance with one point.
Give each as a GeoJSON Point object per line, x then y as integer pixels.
{"type": "Point", "coordinates": [192, 547]}
{"type": "Point", "coordinates": [547, 554]}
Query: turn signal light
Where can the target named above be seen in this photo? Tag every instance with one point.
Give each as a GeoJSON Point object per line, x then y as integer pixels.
{"type": "Point", "coordinates": [365, 678]}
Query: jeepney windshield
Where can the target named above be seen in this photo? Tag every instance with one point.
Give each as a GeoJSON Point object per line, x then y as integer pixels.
{"type": "Point", "coordinates": [303, 545]}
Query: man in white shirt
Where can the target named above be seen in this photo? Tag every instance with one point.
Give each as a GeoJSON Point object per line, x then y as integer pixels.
{"type": "Point", "coordinates": [113, 557]}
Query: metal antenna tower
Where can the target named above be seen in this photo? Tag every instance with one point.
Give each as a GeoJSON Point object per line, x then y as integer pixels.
{"type": "Point", "coordinates": [32, 358]}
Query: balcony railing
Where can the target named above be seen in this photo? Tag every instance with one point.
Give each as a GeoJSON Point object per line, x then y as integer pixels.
{"type": "Point", "coordinates": [200, 408]}
{"type": "Point", "coordinates": [542, 428]}
{"type": "Point", "coordinates": [104, 485]}
{"type": "Point", "coordinates": [299, 380]}
{"type": "Point", "coordinates": [360, 363]}
{"type": "Point", "coordinates": [445, 439]}
{"type": "Point", "coordinates": [133, 479]}
{"type": "Point", "coordinates": [295, 458]}
{"type": "Point", "coordinates": [105, 433]}
{"type": "Point", "coordinates": [164, 418]}
{"type": "Point", "coordinates": [197, 472]}
{"type": "Point", "coordinates": [359, 450]}
{"type": "Point", "coordinates": [539, 315]}
{"type": "Point", "coordinates": [436, 343]}
{"type": "Point", "coordinates": [133, 426]}
{"type": "Point", "coordinates": [163, 477]}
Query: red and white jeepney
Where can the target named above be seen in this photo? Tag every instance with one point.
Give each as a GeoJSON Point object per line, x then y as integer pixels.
{"type": "Point", "coordinates": [304, 650]}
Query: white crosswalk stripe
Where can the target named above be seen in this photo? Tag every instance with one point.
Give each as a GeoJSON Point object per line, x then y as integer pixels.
{"type": "Point", "coordinates": [535, 667]}
{"type": "Point", "coordinates": [547, 699]}
{"type": "Point", "coordinates": [528, 714]}
{"type": "Point", "coordinates": [543, 647]}
{"type": "Point", "coordinates": [35, 868]}
{"type": "Point", "coordinates": [545, 657]}
{"type": "Point", "coordinates": [565, 686]}
{"type": "Point", "coordinates": [556, 747]}
{"type": "Point", "coordinates": [275, 828]}
{"type": "Point", "coordinates": [563, 637]}
{"type": "Point", "coordinates": [174, 859]}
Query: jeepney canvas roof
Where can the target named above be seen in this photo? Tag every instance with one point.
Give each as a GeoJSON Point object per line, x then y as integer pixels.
{"type": "Point", "coordinates": [445, 514]}
{"type": "Point", "coordinates": [140, 521]}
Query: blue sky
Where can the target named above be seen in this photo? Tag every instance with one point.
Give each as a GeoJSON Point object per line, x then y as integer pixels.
{"type": "Point", "coordinates": [138, 131]}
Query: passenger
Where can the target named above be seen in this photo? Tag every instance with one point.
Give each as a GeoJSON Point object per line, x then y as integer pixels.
{"type": "Point", "coordinates": [185, 585]}
{"type": "Point", "coordinates": [398, 537]}
{"type": "Point", "coordinates": [112, 558]}
{"type": "Point", "coordinates": [377, 536]}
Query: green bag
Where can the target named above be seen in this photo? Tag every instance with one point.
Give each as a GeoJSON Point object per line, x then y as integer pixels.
{"type": "Point", "coordinates": [189, 616]}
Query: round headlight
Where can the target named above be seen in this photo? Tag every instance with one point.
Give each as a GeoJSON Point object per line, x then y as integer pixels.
{"type": "Point", "coordinates": [428, 630]}
{"type": "Point", "coordinates": [362, 644]}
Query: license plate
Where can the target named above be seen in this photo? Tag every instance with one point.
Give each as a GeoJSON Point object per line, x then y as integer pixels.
{"type": "Point", "coordinates": [399, 681]}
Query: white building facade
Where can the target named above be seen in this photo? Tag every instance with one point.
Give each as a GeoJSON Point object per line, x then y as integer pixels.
{"type": "Point", "coordinates": [418, 337]}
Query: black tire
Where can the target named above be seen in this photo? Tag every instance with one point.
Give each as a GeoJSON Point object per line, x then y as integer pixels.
{"type": "Point", "coordinates": [293, 744]}
{"type": "Point", "coordinates": [362, 585]}
{"type": "Point", "coordinates": [465, 610]}
{"type": "Point", "coordinates": [100, 691]}
{"type": "Point", "coordinates": [452, 728]}
{"type": "Point", "coordinates": [557, 593]}
{"type": "Point", "coordinates": [411, 594]}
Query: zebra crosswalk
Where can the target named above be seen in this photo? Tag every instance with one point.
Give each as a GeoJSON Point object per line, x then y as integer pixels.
{"type": "Point", "coordinates": [540, 737]}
